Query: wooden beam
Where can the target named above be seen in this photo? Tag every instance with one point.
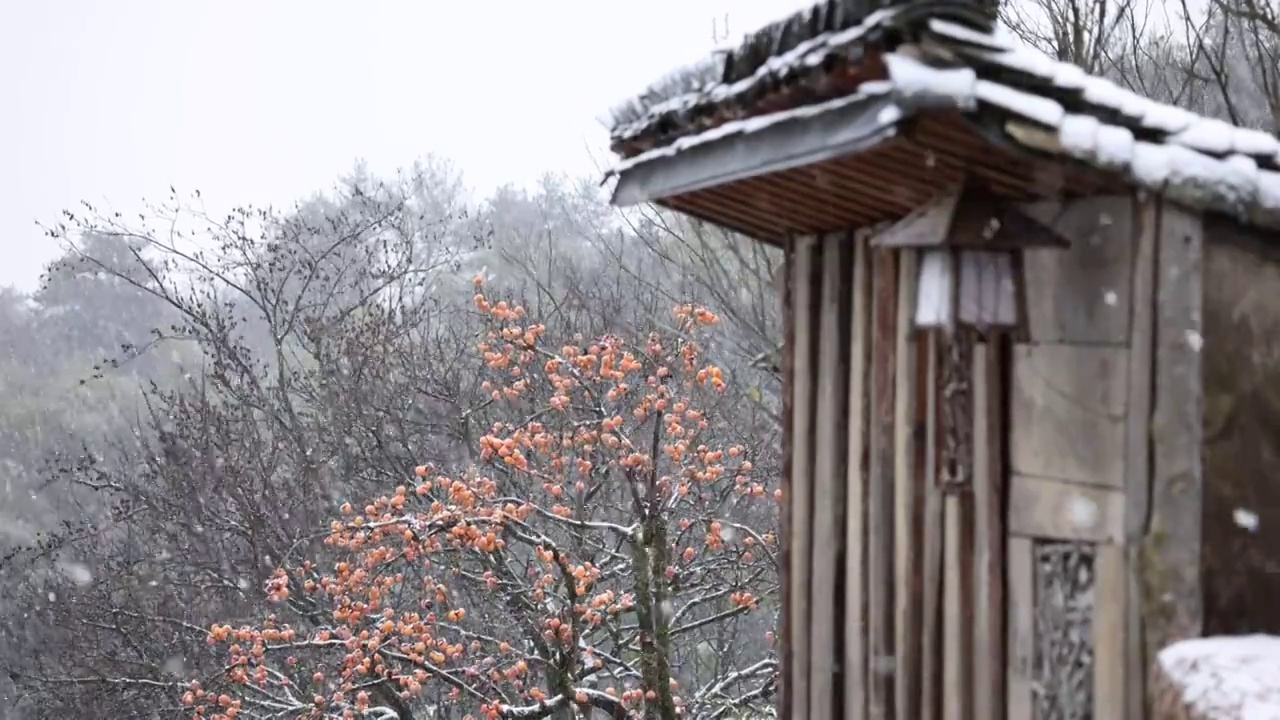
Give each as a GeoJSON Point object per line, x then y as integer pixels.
{"type": "Point", "coordinates": [907, 495]}
{"type": "Point", "coordinates": [797, 140]}
{"type": "Point", "coordinates": [1109, 632]}
{"type": "Point", "coordinates": [855, 571]}
{"type": "Point", "coordinates": [831, 434]}
{"type": "Point", "coordinates": [989, 540]}
{"type": "Point", "coordinates": [1137, 462]}
{"type": "Point", "coordinates": [880, 551]}
{"type": "Point", "coordinates": [1056, 509]}
{"type": "Point", "coordinates": [1020, 679]}
{"type": "Point", "coordinates": [801, 482]}
{"type": "Point", "coordinates": [985, 220]}
{"type": "Point", "coordinates": [970, 215]}
{"type": "Point", "coordinates": [958, 607]}
{"type": "Point", "coordinates": [933, 540]}
{"type": "Point", "coordinates": [926, 226]}
{"type": "Point", "coordinates": [787, 296]}
{"type": "Point", "coordinates": [956, 480]}
{"type": "Point", "coordinates": [1173, 595]}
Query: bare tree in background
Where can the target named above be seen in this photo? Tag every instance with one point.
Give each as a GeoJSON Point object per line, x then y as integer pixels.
{"type": "Point", "coordinates": [324, 355]}
{"type": "Point", "coordinates": [1219, 58]}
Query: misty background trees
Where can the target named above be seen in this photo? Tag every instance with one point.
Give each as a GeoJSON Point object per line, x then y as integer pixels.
{"type": "Point", "coordinates": [189, 400]}
{"type": "Point", "coordinates": [192, 398]}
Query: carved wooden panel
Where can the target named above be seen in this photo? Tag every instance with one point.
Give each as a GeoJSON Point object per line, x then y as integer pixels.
{"type": "Point", "coordinates": [1064, 659]}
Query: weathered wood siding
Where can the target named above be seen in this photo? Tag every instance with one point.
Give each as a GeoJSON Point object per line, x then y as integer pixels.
{"type": "Point", "coordinates": [981, 528]}
{"type": "Point", "coordinates": [894, 509]}
{"type": "Point", "coordinates": [1105, 479]}
{"type": "Point", "coordinates": [1068, 472]}
{"type": "Point", "coordinates": [1241, 366]}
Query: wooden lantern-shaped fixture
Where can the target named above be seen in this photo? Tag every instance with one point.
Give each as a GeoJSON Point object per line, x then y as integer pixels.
{"type": "Point", "coordinates": [970, 260]}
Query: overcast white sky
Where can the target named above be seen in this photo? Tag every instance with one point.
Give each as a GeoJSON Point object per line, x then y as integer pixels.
{"type": "Point", "coordinates": [266, 101]}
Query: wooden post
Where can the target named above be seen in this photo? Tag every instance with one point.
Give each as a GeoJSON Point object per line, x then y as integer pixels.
{"type": "Point", "coordinates": [1172, 592]}
{"type": "Point", "coordinates": [884, 323]}
{"type": "Point", "coordinates": [908, 489]}
{"type": "Point", "coordinates": [788, 447]}
{"type": "Point", "coordinates": [988, 542]}
{"type": "Point", "coordinates": [830, 455]}
{"type": "Point", "coordinates": [800, 486]}
{"type": "Point", "coordinates": [931, 597]}
{"type": "Point", "coordinates": [1021, 654]}
{"type": "Point", "coordinates": [1128, 686]}
{"type": "Point", "coordinates": [855, 599]}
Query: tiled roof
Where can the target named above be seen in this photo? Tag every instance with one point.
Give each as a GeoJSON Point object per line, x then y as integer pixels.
{"type": "Point", "coordinates": [805, 58]}
{"type": "Point", "coordinates": [929, 57]}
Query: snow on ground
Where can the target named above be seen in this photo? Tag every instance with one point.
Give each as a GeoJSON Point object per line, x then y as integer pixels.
{"type": "Point", "coordinates": [1226, 678]}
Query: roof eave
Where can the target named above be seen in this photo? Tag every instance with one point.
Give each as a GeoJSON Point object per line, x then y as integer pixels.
{"type": "Point", "coordinates": [719, 157]}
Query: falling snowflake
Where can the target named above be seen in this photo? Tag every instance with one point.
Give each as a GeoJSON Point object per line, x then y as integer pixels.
{"type": "Point", "coordinates": [1246, 519]}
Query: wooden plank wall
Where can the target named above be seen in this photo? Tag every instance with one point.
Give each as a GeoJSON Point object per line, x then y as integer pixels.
{"type": "Point", "coordinates": [1104, 446]}
{"type": "Point", "coordinates": [913, 595]}
{"type": "Point", "coordinates": [805, 261]}
{"type": "Point", "coordinates": [895, 586]}
{"type": "Point", "coordinates": [881, 660]}
{"type": "Point", "coordinates": [1069, 436]}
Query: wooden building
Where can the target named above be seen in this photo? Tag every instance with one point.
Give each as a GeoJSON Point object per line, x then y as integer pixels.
{"type": "Point", "coordinates": [1032, 362]}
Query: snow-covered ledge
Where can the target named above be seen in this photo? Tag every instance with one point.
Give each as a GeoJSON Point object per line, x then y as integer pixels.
{"type": "Point", "coordinates": [1219, 678]}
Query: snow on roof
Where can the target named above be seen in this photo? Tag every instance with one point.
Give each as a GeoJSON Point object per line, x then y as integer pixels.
{"type": "Point", "coordinates": [637, 117]}
{"type": "Point", "coordinates": [1200, 162]}
{"type": "Point", "coordinates": [775, 56]}
{"type": "Point", "coordinates": [1226, 678]}
{"type": "Point", "coordinates": [1028, 98]}
{"type": "Point", "coordinates": [747, 126]}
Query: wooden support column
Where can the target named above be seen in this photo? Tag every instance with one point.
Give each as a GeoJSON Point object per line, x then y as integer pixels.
{"type": "Point", "coordinates": [989, 541]}
{"type": "Point", "coordinates": [788, 447]}
{"type": "Point", "coordinates": [855, 569]}
{"type": "Point", "coordinates": [829, 479]}
{"type": "Point", "coordinates": [880, 512]}
{"type": "Point", "coordinates": [908, 494]}
{"type": "Point", "coordinates": [1123, 694]}
{"type": "Point", "coordinates": [1172, 591]}
{"type": "Point", "coordinates": [931, 666]}
{"type": "Point", "coordinates": [799, 491]}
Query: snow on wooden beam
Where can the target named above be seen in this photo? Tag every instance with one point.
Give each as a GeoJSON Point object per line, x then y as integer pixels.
{"type": "Point", "coordinates": [969, 215]}
{"type": "Point", "coordinates": [757, 146]}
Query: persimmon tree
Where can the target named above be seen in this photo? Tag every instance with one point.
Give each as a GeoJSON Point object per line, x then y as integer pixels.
{"type": "Point", "coordinates": [603, 555]}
